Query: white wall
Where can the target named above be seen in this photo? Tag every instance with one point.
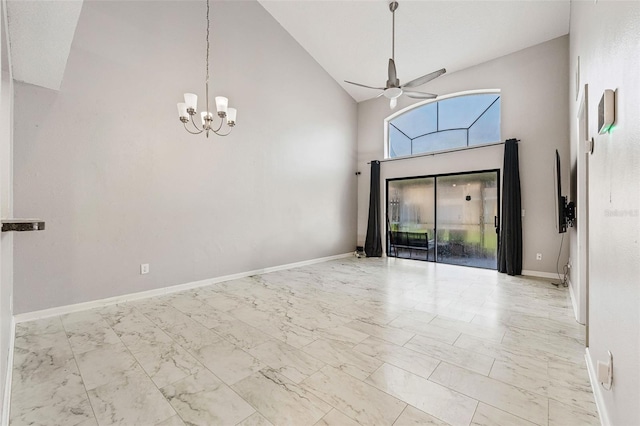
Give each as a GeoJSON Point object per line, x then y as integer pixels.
{"type": "Point", "coordinates": [606, 36]}
{"type": "Point", "coordinates": [534, 85]}
{"type": "Point", "coordinates": [106, 163]}
{"type": "Point", "coordinates": [6, 211]}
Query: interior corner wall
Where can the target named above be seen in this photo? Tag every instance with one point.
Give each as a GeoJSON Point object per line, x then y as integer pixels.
{"type": "Point", "coordinates": [534, 88]}
{"type": "Point", "coordinates": [108, 166]}
{"type": "Point", "coordinates": [606, 37]}
{"type": "Point", "coordinates": [6, 211]}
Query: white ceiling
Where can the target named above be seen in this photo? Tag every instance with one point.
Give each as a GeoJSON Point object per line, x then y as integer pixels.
{"type": "Point", "coordinates": [40, 34]}
{"type": "Point", "coordinates": [351, 40]}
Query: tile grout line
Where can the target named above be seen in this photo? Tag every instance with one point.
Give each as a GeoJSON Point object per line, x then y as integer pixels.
{"type": "Point", "coordinates": [75, 360]}
{"type": "Point", "coordinates": [140, 365]}
{"type": "Point", "coordinates": [487, 403]}
{"type": "Point", "coordinates": [400, 415]}
{"type": "Point", "coordinates": [195, 358]}
{"type": "Point", "coordinates": [199, 362]}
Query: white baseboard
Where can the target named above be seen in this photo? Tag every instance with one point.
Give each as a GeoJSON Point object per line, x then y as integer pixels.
{"type": "Point", "coordinates": [597, 391]}
{"type": "Point", "coordinates": [574, 303]}
{"type": "Point", "coordinates": [538, 274]}
{"type": "Point", "coordinates": [6, 402]}
{"type": "Point", "coordinates": [77, 307]}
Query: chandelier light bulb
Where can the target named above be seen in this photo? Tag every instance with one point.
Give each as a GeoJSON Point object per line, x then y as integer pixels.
{"type": "Point", "coordinates": [231, 116]}
{"type": "Point", "coordinates": [221, 105]}
{"type": "Point", "coordinates": [191, 100]}
{"type": "Point", "coordinates": [207, 118]}
{"type": "Point", "coordinates": [182, 111]}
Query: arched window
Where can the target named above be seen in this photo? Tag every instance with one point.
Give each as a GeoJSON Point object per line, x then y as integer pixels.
{"type": "Point", "coordinates": [450, 122]}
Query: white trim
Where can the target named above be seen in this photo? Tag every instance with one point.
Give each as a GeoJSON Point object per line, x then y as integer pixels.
{"type": "Point", "coordinates": [574, 303]}
{"type": "Point", "coordinates": [538, 274]}
{"type": "Point", "coordinates": [61, 310]}
{"type": "Point", "coordinates": [6, 403]}
{"type": "Point", "coordinates": [597, 391]}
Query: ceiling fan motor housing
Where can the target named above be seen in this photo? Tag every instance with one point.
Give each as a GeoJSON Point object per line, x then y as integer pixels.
{"type": "Point", "coordinates": [393, 90]}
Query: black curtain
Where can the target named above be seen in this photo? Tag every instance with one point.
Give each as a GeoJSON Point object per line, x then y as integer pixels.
{"type": "Point", "coordinates": [373, 243]}
{"type": "Point", "coordinates": [510, 248]}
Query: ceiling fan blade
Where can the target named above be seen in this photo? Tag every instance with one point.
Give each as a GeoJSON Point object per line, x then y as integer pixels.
{"type": "Point", "coordinates": [362, 85]}
{"type": "Point", "coordinates": [425, 78]}
{"type": "Point", "coordinates": [419, 95]}
{"type": "Point", "coordinates": [393, 77]}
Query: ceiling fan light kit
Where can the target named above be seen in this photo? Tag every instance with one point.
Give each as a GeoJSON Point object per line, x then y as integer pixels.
{"type": "Point", "coordinates": [393, 89]}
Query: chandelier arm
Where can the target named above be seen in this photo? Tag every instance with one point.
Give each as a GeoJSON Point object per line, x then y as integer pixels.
{"type": "Point", "coordinates": [193, 133]}
{"type": "Point", "coordinates": [196, 126]}
{"type": "Point", "coordinates": [224, 134]}
{"type": "Point", "coordinates": [219, 127]}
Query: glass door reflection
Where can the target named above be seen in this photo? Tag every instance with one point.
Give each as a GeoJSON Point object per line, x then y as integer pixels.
{"type": "Point", "coordinates": [448, 218]}
{"type": "Point", "coordinates": [467, 210]}
{"type": "Point", "coordinates": [411, 216]}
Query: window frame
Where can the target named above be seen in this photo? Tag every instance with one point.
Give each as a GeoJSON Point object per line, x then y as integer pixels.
{"type": "Point", "coordinates": [429, 101]}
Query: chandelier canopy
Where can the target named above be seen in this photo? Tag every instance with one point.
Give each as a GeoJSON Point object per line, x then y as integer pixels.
{"type": "Point", "coordinates": [189, 108]}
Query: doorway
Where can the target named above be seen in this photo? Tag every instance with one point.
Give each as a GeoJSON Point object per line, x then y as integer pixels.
{"type": "Point", "coordinates": [450, 218]}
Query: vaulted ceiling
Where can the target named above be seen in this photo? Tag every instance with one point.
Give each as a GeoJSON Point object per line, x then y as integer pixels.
{"type": "Point", "coordinates": [40, 33]}
{"type": "Point", "coordinates": [351, 40]}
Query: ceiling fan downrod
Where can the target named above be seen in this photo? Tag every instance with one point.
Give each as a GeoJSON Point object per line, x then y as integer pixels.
{"type": "Point", "coordinates": [393, 6]}
{"type": "Point", "coordinates": [393, 89]}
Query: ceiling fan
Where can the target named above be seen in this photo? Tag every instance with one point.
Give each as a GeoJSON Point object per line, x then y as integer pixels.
{"type": "Point", "coordinates": [393, 90]}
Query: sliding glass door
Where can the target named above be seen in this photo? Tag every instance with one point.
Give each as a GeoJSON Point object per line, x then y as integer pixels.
{"type": "Point", "coordinates": [445, 218]}
{"type": "Point", "coordinates": [467, 206]}
{"type": "Point", "coordinates": [411, 213]}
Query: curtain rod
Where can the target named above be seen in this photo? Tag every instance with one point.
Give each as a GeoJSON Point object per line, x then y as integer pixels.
{"type": "Point", "coordinates": [441, 152]}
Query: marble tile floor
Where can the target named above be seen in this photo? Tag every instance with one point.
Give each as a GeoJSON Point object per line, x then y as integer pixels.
{"type": "Point", "coordinates": [352, 341]}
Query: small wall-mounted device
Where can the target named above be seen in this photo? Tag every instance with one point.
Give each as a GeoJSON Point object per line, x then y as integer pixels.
{"type": "Point", "coordinates": [606, 111]}
{"type": "Point", "coordinates": [604, 372]}
{"type": "Point", "coordinates": [588, 146]}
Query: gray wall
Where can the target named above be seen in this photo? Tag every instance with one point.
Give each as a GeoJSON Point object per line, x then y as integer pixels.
{"type": "Point", "coordinates": [606, 36]}
{"type": "Point", "coordinates": [534, 84]}
{"type": "Point", "coordinates": [106, 163]}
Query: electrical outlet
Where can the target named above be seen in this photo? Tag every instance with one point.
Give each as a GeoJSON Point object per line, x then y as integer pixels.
{"type": "Point", "coordinates": [538, 256]}
{"type": "Point", "coordinates": [604, 372]}
{"type": "Point", "coordinates": [144, 268]}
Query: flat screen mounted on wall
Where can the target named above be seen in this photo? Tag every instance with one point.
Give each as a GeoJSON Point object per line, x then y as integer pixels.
{"type": "Point", "coordinates": [565, 212]}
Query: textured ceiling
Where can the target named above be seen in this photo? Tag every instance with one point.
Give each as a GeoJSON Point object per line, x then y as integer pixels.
{"type": "Point", "coordinates": [40, 33]}
{"type": "Point", "coordinates": [351, 40]}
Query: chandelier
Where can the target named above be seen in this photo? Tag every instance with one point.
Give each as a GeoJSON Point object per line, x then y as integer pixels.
{"type": "Point", "coordinates": [188, 109]}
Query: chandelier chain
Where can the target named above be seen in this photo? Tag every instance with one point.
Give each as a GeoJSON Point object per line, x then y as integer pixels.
{"type": "Point", "coordinates": [207, 80]}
